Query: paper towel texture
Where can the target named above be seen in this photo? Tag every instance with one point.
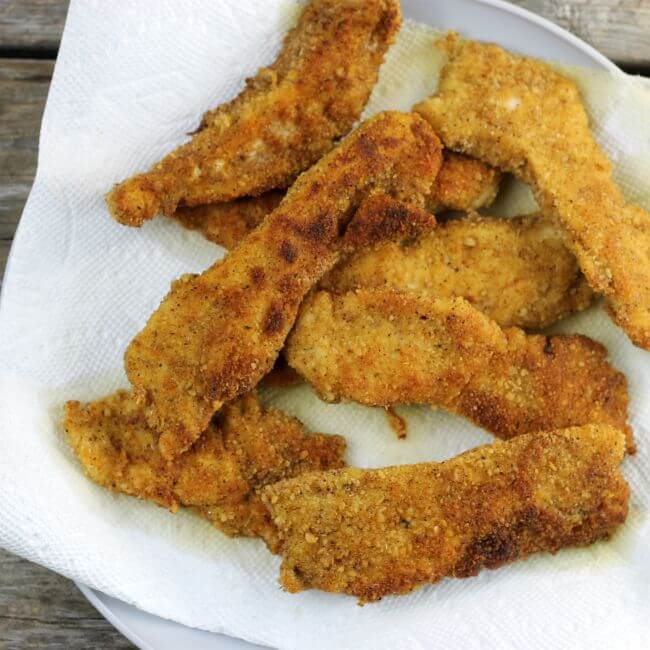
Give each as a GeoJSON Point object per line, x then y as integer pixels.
{"type": "Point", "coordinates": [129, 84]}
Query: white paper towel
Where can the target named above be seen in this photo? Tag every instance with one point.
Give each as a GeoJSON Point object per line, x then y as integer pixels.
{"type": "Point", "coordinates": [131, 80]}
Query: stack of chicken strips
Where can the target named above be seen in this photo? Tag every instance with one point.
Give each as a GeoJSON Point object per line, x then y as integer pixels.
{"type": "Point", "coordinates": [338, 270]}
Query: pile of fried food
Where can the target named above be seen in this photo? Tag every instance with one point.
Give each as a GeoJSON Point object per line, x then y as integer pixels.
{"type": "Point", "coordinates": [338, 269]}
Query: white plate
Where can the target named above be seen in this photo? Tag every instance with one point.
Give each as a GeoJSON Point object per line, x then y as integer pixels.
{"type": "Point", "coordinates": [490, 20]}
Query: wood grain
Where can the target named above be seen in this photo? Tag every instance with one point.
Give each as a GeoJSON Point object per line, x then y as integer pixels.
{"type": "Point", "coordinates": [34, 25]}
{"type": "Point", "coordinates": [620, 29]}
{"type": "Point", "coordinates": [23, 90]}
{"type": "Point", "coordinates": [40, 609]}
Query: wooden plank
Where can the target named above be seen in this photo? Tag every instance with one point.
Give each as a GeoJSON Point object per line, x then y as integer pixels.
{"type": "Point", "coordinates": [23, 90]}
{"type": "Point", "coordinates": [620, 29]}
{"type": "Point", "coordinates": [32, 24]}
{"type": "Point", "coordinates": [40, 609]}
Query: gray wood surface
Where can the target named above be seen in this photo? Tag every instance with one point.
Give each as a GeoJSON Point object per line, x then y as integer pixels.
{"type": "Point", "coordinates": [34, 25]}
{"type": "Point", "coordinates": [620, 29]}
{"type": "Point", "coordinates": [38, 608]}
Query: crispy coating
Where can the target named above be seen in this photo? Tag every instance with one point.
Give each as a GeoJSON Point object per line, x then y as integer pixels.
{"type": "Point", "coordinates": [228, 223]}
{"type": "Point", "coordinates": [217, 334]}
{"type": "Point", "coordinates": [461, 184]}
{"type": "Point", "coordinates": [516, 271]}
{"type": "Point", "coordinates": [383, 348]}
{"type": "Point", "coordinates": [371, 533]}
{"type": "Point", "coordinates": [546, 382]}
{"type": "Point", "coordinates": [464, 184]}
{"type": "Point", "coordinates": [244, 449]}
{"type": "Point", "coordinates": [287, 117]}
{"type": "Point", "coordinates": [522, 116]}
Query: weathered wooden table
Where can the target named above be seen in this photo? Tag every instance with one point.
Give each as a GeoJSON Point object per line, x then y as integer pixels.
{"type": "Point", "coordinates": [39, 608]}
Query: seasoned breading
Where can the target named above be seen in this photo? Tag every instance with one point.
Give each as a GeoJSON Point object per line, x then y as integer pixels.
{"type": "Point", "coordinates": [371, 533]}
{"type": "Point", "coordinates": [461, 184]}
{"type": "Point", "coordinates": [244, 449]}
{"type": "Point", "coordinates": [383, 348]}
{"type": "Point", "coordinates": [288, 116]}
{"type": "Point", "coordinates": [464, 184]}
{"type": "Point", "coordinates": [523, 116]}
{"type": "Point", "coordinates": [217, 334]}
{"type": "Point", "coordinates": [516, 271]}
{"type": "Point", "coordinates": [228, 223]}
{"type": "Point", "coordinates": [546, 382]}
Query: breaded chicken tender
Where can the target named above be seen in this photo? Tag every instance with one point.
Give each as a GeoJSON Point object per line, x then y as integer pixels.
{"type": "Point", "coordinates": [244, 449]}
{"type": "Point", "coordinates": [371, 533]}
{"type": "Point", "coordinates": [288, 116]}
{"type": "Point", "coordinates": [464, 184]}
{"type": "Point", "coordinates": [522, 116]}
{"type": "Point", "coordinates": [217, 334]}
{"type": "Point", "coordinates": [383, 348]}
{"type": "Point", "coordinates": [461, 184]}
{"type": "Point", "coordinates": [228, 223]}
{"type": "Point", "coordinates": [516, 271]}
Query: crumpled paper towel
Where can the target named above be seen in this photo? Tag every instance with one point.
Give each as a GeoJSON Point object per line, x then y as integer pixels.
{"type": "Point", "coordinates": [132, 79]}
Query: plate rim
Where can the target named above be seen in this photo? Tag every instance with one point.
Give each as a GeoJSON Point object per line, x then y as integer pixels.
{"type": "Point", "coordinates": [95, 598]}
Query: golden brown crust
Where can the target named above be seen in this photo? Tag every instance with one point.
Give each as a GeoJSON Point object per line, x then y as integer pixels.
{"type": "Point", "coordinates": [522, 116]}
{"type": "Point", "coordinates": [244, 449]}
{"type": "Point", "coordinates": [464, 184]}
{"type": "Point", "coordinates": [383, 348]}
{"type": "Point", "coordinates": [516, 271]}
{"type": "Point", "coordinates": [371, 533]}
{"type": "Point", "coordinates": [228, 223]}
{"type": "Point", "coordinates": [288, 116]}
{"type": "Point", "coordinates": [546, 382]}
{"type": "Point", "coordinates": [461, 184]}
{"type": "Point", "coordinates": [217, 334]}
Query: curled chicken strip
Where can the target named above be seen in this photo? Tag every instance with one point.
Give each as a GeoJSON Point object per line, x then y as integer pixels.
{"type": "Point", "coordinates": [217, 334]}
{"type": "Point", "coordinates": [382, 348]}
{"type": "Point", "coordinates": [370, 533]}
{"type": "Point", "coordinates": [286, 118]}
{"type": "Point", "coordinates": [244, 449]}
{"type": "Point", "coordinates": [522, 116]}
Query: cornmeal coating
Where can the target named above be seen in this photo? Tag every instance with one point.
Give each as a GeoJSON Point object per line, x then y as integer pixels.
{"type": "Point", "coordinates": [244, 449]}
{"type": "Point", "coordinates": [522, 116]}
{"type": "Point", "coordinates": [228, 223]}
{"type": "Point", "coordinates": [217, 334]}
{"type": "Point", "coordinates": [383, 348]}
{"type": "Point", "coordinates": [287, 117]}
{"type": "Point", "coordinates": [516, 271]}
{"type": "Point", "coordinates": [464, 184]}
{"type": "Point", "coordinates": [461, 184]}
{"type": "Point", "coordinates": [371, 533]}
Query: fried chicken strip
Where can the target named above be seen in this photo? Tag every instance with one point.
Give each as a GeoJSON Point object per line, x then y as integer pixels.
{"type": "Point", "coordinates": [287, 117]}
{"type": "Point", "coordinates": [516, 271]}
{"type": "Point", "coordinates": [217, 334]}
{"type": "Point", "coordinates": [244, 449]}
{"type": "Point", "coordinates": [371, 533]}
{"type": "Point", "coordinates": [383, 348]}
{"type": "Point", "coordinates": [464, 184]}
{"type": "Point", "coordinates": [461, 184]}
{"type": "Point", "coordinates": [522, 116]}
